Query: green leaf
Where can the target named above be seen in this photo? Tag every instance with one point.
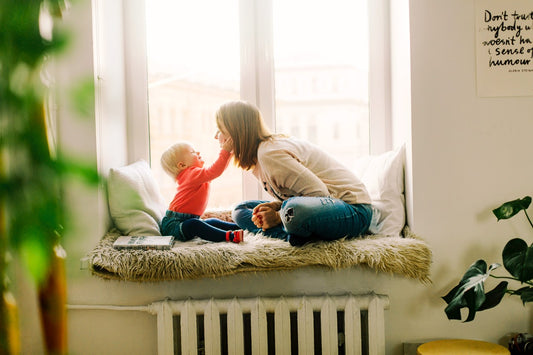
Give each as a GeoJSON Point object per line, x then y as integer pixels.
{"type": "Point", "coordinates": [509, 209]}
{"type": "Point", "coordinates": [493, 297]}
{"type": "Point", "coordinates": [470, 292]}
{"type": "Point", "coordinates": [471, 298]}
{"type": "Point", "coordinates": [36, 257]}
{"type": "Point", "coordinates": [84, 170]}
{"type": "Point", "coordinates": [453, 312]}
{"type": "Point", "coordinates": [518, 259]}
{"type": "Point", "coordinates": [525, 293]}
{"type": "Point", "coordinates": [82, 97]}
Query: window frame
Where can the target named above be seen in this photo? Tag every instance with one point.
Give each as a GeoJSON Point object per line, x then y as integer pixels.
{"type": "Point", "coordinates": [257, 75]}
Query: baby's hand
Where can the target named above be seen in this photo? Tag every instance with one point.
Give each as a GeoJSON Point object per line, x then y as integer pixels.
{"type": "Point", "coordinates": [227, 145]}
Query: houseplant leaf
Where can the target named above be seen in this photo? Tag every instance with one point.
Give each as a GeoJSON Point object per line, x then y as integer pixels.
{"type": "Point", "coordinates": [470, 292]}
{"type": "Point", "coordinates": [525, 293]}
{"type": "Point", "coordinates": [494, 296]}
{"type": "Point", "coordinates": [518, 259]}
{"type": "Point", "coordinates": [509, 209]}
{"type": "Point", "coordinates": [455, 303]}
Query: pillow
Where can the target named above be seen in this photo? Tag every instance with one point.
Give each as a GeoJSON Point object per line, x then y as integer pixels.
{"type": "Point", "coordinates": [383, 176]}
{"type": "Point", "coordinates": [135, 202]}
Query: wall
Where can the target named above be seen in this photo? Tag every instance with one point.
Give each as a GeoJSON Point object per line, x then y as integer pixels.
{"type": "Point", "coordinates": [468, 154]}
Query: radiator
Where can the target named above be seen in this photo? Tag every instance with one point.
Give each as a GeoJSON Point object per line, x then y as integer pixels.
{"type": "Point", "coordinates": [346, 324]}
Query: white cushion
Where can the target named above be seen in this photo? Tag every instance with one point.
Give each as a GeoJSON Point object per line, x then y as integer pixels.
{"type": "Point", "coordinates": [383, 176]}
{"type": "Point", "coordinates": [135, 202]}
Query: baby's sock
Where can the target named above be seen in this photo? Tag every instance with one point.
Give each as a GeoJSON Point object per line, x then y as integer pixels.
{"type": "Point", "coordinates": [236, 236]}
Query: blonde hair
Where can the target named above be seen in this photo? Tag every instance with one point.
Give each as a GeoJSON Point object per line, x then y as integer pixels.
{"type": "Point", "coordinates": [171, 157]}
{"type": "Point", "coordinates": [245, 125]}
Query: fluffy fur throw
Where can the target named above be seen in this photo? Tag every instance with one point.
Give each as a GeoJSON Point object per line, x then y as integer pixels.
{"type": "Point", "coordinates": [408, 256]}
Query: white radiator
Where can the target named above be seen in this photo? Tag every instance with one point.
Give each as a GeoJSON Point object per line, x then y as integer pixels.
{"type": "Point", "coordinates": [348, 324]}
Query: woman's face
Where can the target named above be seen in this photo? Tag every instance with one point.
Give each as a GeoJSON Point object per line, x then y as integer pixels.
{"type": "Point", "coordinates": [222, 134]}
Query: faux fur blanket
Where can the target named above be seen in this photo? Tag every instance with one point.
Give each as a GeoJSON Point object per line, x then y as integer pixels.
{"type": "Point", "coordinates": [409, 257]}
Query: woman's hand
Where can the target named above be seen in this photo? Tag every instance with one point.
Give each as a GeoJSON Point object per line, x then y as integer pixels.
{"type": "Point", "coordinates": [266, 215]}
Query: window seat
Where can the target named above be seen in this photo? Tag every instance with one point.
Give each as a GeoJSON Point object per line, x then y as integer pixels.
{"type": "Point", "coordinates": [136, 208]}
{"type": "Point", "coordinates": [408, 256]}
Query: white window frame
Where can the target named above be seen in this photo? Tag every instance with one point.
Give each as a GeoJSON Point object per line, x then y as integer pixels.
{"type": "Point", "coordinates": [257, 75]}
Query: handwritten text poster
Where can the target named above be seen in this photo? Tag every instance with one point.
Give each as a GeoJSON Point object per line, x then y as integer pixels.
{"type": "Point", "coordinates": [504, 36]}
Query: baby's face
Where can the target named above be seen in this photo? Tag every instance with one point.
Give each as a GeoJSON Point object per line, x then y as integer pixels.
{"type": "Point", "coordinates": [191, 157]}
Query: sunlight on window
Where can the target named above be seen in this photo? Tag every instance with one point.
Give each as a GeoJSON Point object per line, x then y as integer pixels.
{"type": "Point", "coordinates": [321, 77]}
{"type": "Point", "coordinates": [322, 74]}
{"type": "Point", "coordinates": [193, 67]}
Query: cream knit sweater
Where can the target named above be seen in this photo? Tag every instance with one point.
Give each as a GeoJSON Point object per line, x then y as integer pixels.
{"type": "Point", "coordinates": [288, 167]}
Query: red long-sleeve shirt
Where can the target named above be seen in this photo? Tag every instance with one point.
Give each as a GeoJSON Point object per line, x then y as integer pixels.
{"type": "Point", "coordinates": [194, 183]}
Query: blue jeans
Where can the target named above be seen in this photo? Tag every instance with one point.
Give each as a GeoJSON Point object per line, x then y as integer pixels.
{"type": "Point", "coordinates": [310, 218]}
{"type": "Point", "coordinates": [186, 226]}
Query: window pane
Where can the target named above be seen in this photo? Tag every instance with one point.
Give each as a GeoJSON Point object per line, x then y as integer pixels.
{"type": "Point", "coordinates": [193, 67]}
{"type": "Point", "coordinates": [321, 74]}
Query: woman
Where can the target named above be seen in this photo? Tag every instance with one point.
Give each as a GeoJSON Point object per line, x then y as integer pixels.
{"type": "Point", "coordinates": [317, 197]}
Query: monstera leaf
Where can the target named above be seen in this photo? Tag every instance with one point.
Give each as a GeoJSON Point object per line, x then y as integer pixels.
{"type": "Point", "coordinates": [518, 259]}
{"type": "Point", "coordinates": [509, 209]}
{"type": "Point", "coordinates": [525, 293]}
{"type": "Point", "coordinates": [470, 292]}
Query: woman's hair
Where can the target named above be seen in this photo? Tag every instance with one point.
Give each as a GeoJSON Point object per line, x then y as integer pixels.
{"type": "Point", "coordinates": [171, 157]}
{"type": "Point", "coordinates": [246, 127]}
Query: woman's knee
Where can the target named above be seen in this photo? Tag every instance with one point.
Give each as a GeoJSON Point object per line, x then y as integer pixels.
{"type": "Point", "coordinates": [288, 214]}
{"type": "Point", "coordinates": [239, 212]}
{"type": "Point", "coordinates": [294, 217]}
{"type": "Point", "coordinates": [243, 210]}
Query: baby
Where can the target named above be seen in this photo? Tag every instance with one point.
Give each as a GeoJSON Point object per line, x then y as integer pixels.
{"type": "Point", "coordinates": [182, 219]}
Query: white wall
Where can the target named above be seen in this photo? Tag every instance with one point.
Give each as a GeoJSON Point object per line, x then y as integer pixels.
{"type": "Point", "coordinates": [469, 154]}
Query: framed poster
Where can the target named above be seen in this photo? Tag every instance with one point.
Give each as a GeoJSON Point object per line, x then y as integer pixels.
{"type": "Point", "coordinates": [504, 47]}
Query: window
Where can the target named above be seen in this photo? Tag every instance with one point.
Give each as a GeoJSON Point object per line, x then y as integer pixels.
{"type": "Point", "coordinates": [193, 67]}
{"type": "Point", "coordinates": [305, 64]}
{"type": "Point", "coordinates": [321, 73]}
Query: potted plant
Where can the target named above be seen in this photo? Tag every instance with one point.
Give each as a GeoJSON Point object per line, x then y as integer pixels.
{"type": "Point", "coordinates": [517, 259]}
{"type": "Point", "coordinates": [33, 170]}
